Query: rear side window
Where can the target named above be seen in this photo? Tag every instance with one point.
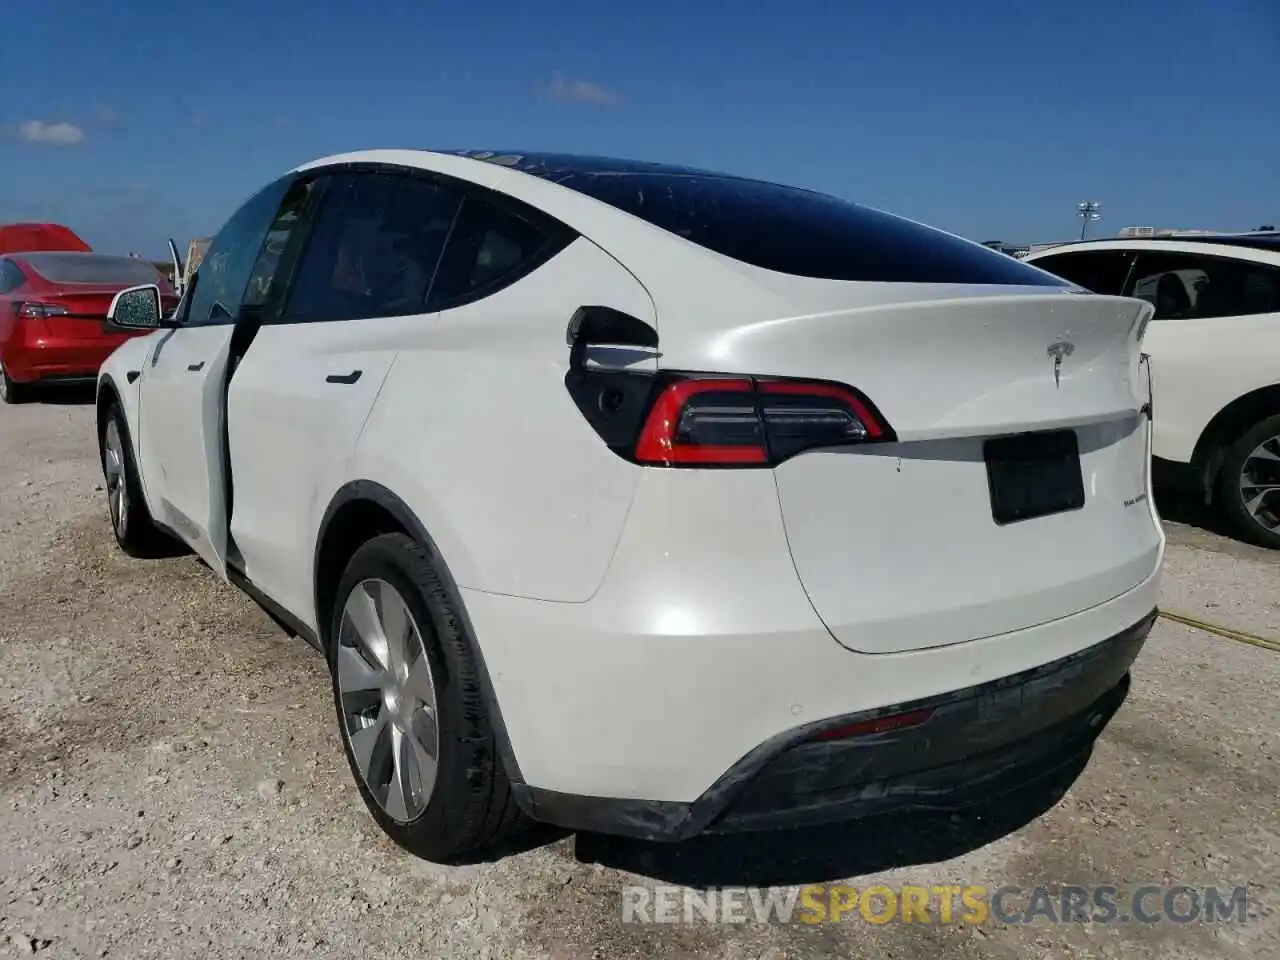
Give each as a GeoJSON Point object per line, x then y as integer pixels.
{"type": "Point", "coordinates": [1098, 271]}
{"type": "Point", "coordinates": [94, 268]}
{"type": "Point", "coordinates": [373, 250]}
{"type": "Point", "coordinates": [490, 248]}
{"type": "Point", "coordinates": [1189, 286]}
{"type": "Point", "coordinates": [799, 232]}
{"type": "Point", "coordinates": [11, 278]}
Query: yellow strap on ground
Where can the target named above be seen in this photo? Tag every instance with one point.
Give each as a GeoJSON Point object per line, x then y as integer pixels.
{"type": "Point", "coordinates": [1228, 633]}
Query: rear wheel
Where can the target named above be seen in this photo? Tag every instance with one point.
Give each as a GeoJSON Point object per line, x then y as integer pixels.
{"type": "Point", "coordinates": [1249, 484]}
{"type": "Point", "coordinates": [10, 390]}
{"type": "Point", "coordinates": [131, 522]}
{"type": "Point", "coordinates": [414, 725]}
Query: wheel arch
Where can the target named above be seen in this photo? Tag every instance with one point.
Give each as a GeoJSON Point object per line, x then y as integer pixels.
{"type": "Point", "coordinates": [108, 395]}
{"type": "Point", "coordinates": [1227, 426]}
{"type": "Point", "coordinates": [359, 511]}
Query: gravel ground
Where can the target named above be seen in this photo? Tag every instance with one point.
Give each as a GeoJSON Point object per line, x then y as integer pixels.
{"type": "Point", "coordinates": [173, 785]}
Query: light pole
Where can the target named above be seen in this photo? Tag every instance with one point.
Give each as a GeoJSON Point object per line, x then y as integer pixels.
{"type": "Point", "coordinates": [1087, 211]}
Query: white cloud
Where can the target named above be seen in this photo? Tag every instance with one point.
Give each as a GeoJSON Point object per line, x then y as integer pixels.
{"type": "Point", "coordinates": [581, 91]}
{"type": "Point", "coordinates": [57, 134]}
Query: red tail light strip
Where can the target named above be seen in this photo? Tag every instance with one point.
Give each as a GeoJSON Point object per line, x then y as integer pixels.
{"type": "Point", "coordinates": [658, 441]}
{"type": "Point", "coordinates": [730, 421]}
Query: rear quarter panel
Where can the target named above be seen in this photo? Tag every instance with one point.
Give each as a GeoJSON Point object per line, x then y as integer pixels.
{"type": "Point", "coordinates": [8, 323]}
{"type": "Point", "coordinates": [475, 431]}
{"type": "Point", "coordinates": [1198, 367]}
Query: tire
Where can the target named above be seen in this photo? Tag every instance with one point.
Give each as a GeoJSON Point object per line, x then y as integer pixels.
{"type": "Point", "coordinates": [1262, 529]}
{"type": "Point", "coordinates": [135, 531]}
{"type": "Point", "coordinates": [468, 807]}
{"type": "Point", "coordinates": [11, 391]}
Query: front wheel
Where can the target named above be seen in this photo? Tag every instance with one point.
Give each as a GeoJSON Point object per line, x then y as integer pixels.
{"type": "Point", "coordinates": [414, 725]}
{"type": "Point", "coordinates": [1249, 484]}
{"type": "Point", "coordinates": [131, 522]}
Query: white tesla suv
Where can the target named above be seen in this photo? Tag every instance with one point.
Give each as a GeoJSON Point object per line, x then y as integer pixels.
{"type": "Point", "coordinates": [647, 500]}
{"type": "Point", "coordinates": [1213, 342]}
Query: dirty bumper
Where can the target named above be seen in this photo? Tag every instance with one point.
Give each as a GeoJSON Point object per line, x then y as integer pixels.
{"type": "Point", "coordinates": [944, 753]}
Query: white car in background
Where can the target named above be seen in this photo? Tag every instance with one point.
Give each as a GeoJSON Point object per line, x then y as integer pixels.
{"type": "Point", "coordinates": [1214, 343]}
{"type": "Point", "coordinates": [647, 500]}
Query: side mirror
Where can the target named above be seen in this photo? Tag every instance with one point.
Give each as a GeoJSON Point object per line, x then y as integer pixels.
{"type": "Point", "coordinates": [137, 308]}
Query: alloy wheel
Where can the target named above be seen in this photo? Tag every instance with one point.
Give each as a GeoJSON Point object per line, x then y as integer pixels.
{"type": "Point", "coordinates": [1260, 484]}
{"type": "Point", "coordinates": [387, 699]}
{"type": "Point", "coordinates": [113, 468]}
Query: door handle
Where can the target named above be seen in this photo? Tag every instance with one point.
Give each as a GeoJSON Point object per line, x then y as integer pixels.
{"type": "Point", "coordinates": [193, 367]}
{"type": "Point", "coordinates": [351, 377]}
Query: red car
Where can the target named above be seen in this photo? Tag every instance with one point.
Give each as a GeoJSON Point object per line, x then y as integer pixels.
{"type": "Point", "coordinates": [27, 237]}
{"type": "Point", "coordinates": [52, 309]}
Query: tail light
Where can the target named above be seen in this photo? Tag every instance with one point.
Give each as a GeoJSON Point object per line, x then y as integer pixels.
{"type": "Point", "coordinates": [698, 420]}
{"type": "Point", "coordinates": [704, 421]}
{"type": "Point", "coordinates": [34, 310]}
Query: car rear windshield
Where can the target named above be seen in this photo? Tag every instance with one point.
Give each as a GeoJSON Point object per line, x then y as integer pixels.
{"type": "Point", "coordinates": [799, 232]}
{"type": "Point", "coordinates": [94, 268]}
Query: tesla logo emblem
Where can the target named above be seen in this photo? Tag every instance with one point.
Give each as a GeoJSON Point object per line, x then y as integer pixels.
{"type": "Point", "coordinates": [1058, 351]}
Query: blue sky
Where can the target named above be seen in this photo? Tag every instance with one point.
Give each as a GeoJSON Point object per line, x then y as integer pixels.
{"type": "Point", "coordinates": [131, 122]}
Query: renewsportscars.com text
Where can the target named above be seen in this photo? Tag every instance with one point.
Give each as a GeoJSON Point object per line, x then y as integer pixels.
{"type": "Point", "coordinates": [969, 904]}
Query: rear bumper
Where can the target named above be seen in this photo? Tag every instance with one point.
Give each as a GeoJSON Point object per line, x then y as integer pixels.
{"type": "Point", "coordinates": [701, 645]}
{"type": "Point", "coordinates": [58, 360]}
{"type": "Point", "coordinates": [979, 742]}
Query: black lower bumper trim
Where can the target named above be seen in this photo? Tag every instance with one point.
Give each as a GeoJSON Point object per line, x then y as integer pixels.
{"type": "Point", "coordinates": [979, 742]}
{"type": "Point", "coordinates": [65, 379]}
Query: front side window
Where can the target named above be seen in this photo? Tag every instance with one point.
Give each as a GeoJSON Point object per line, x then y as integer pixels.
{"type": "Point", "coordinates": [373, 250]}
{"type": "Point", "coordinates": [1186, 286]}
{"type": "Point", "coordinates": [223, 275]}
{"type": "Point", "coordinates": [1098, 271]}
{"type": "Point", "coordinates": [286, 224]}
